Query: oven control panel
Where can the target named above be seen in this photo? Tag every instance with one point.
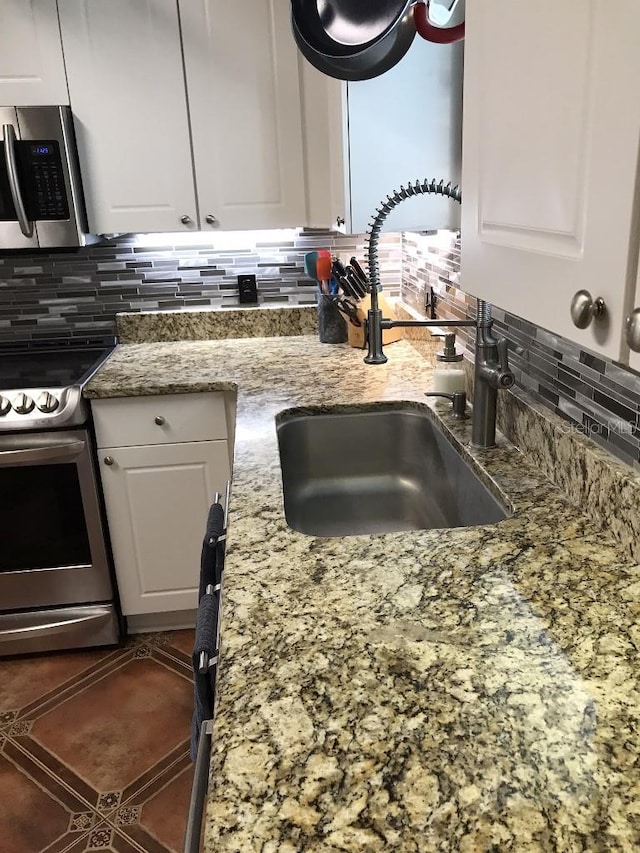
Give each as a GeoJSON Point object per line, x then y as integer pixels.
{"type": "Point", "coordinates": [23, 404]}
{"type": "Point", "coordinates": [41, 408]}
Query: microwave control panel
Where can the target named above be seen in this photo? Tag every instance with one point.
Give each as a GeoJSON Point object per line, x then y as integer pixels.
{"type": "Point", "coordinates": [43, 179]}
{"type": "Point", "coordinates": [40, 179]}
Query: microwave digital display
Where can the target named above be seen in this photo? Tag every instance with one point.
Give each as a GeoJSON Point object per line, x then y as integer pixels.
{"type": "Point", "coordinates": [42, 150]}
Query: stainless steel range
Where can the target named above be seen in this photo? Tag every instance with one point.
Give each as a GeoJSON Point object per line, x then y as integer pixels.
{"type": "Point", "coordinates": [56, 588]}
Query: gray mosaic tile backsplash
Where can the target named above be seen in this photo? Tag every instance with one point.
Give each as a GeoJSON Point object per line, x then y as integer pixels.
{"type": "Point", "coordinates": [77, 293]}
{"type": "Point", "coordinates": [599, 397]}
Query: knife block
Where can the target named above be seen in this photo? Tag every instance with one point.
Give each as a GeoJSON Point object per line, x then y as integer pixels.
{"type": "Point", "coordinates": [357, 337]}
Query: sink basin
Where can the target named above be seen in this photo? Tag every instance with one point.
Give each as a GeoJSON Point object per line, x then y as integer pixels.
{"type": "Point", "coordinates": [377, 471]}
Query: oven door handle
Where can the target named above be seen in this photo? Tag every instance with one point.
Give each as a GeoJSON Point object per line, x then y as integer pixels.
{"type": "Point", "coordinates": [9, 139]}
{"type": "Point", "coordinates": [33, 455]}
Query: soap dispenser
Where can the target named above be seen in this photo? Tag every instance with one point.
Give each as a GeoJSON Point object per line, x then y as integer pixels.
{"type": "Point", "coordinates": [449, 375]}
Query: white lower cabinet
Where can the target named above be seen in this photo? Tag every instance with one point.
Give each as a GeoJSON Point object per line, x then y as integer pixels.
{"type": "Point", "coordinates": [162, 458]}
{"type": "Point", "coordinates": [157, 498]}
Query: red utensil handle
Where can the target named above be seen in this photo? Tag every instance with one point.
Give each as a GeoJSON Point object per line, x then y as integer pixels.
{"type": "Point", "coordinates": [440, 35]}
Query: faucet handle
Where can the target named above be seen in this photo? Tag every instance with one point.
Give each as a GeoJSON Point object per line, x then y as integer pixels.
{"type": "Point", "coordinates": [505, 376]}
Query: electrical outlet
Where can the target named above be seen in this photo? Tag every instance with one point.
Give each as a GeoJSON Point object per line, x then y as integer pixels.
{"type": "Point", "coordinates": [247, 289]}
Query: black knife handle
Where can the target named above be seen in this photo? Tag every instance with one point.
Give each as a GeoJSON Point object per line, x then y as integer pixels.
{"type": "Point", "coordinates": [348, 288]}
{"type": "Point", "coordinates": [360, 272]}
{"type": "Point", "coordinates": [356, 284]}
{"type": "Point", "coordinates": [338, 268]}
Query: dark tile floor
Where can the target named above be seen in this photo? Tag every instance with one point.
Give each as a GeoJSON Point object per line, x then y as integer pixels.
{"type": "Point", "coordinates": [94, 748]}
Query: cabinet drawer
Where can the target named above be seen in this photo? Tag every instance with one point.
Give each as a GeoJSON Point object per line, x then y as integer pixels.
{"type": "Point", "coordinates": [162, 419]}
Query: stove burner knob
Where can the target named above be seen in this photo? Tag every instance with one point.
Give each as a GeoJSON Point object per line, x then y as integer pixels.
{"type": "Point", "coordinates": [5, 407]}
{"type": "Point", "coordinates": [23, 404]}
{"type": "Point", "coordinates": [47, 403]}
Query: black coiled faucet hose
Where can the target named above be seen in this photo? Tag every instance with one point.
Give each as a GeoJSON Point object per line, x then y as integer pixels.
{"type": "Point", "coordinates": [425, 187]}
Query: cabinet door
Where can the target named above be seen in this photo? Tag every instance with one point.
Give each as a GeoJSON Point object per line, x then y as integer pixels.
{"type": "Point", "coordinates": [31, 64]}
{"type": "Point", "coordinates": [550, 156]}
{"type": "Point", "coordinates": [157, 499]}
{"type": "Point", "coordinates": [634, 357]}
{"type": "Point", "coordinates": [244, 96]}
{"type": "Point", "coordinates": [326, 142]}
{"type": "Point", "coordinates": [126, 81]}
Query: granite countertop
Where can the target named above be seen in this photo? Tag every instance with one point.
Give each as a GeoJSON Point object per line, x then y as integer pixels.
{"type": "Point", "coordinates": [453, 690]}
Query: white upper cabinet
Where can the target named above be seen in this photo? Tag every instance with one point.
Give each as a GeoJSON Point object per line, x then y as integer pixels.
{"type": "Point", "coordinates": [634, 357]}
{"type": "Point", "coordinates": [126, 82]}
{"type": "Point", "coordinates": [550, 160]}
{"type": "Point", "coordinates": [373, 136]}
{"type": "Point", "coordinates": [244, 96]}
{"type": "Point", "coordinates": [188, 114]}
{"type": "Point", "coordinates": [326, 144]}
{"type": "Point", "coordinates": [31, 63]}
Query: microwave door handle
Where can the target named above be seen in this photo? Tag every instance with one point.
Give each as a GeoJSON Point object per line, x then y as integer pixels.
{"type": "Point", "coordinates": [9, 138]}
{"type": "Point", "coordinates": [32, 455]}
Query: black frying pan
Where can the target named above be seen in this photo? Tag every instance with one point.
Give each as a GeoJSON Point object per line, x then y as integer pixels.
{"type": "Point", "coordinates": [353, 39]}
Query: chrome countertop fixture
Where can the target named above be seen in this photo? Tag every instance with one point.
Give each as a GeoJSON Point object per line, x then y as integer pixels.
{"type": "Point", "coordinates": [458, 402]}
{"type": "Point", "coordinates": [492, 370]}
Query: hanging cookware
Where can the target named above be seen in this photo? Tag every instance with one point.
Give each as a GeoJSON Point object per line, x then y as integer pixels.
{"type": "Point", "coordinates": [352, 39]}
{"type": "Point", "coordinates": [432, 32]}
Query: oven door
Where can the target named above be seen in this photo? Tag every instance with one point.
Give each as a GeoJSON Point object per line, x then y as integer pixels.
{"type": "Point", "coordinates": [52, 549]}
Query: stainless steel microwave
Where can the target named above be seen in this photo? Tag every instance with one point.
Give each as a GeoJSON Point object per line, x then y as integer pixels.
{"type": "Point", "coordinates": [41, 201]}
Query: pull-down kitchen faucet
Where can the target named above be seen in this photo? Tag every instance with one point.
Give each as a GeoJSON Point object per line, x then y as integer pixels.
{"type": "Point", "coordinates": [492, 370]}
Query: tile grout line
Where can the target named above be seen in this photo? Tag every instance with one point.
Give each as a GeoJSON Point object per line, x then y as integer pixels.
{"type": "Point", "coordinates": [83, 687]}
{"type": "Point", "coordinates": [67, 686]}
{"type": "Point", "coordinates": [107, 817]}
{"type": "Point", "coordinates": [52, 701]}
{"type": "Point", "coordinates": [97, 817]}
{"type": "Point", "coordinates": [50, 774]}
{"type": "Point", "coordinates": [61, 784]}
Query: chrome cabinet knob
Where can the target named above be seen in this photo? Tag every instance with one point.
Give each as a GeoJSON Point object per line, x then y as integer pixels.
{"type": "Point", "coordinates": [186, 220]}
{"type": "Point", "coordinates": [109, 460]}
{"type": "Point", "coordinates": [210, 219]}
{"type": "Point", "coordinates": [5, 407]}
{"type": "Point", "coordinates": [632, 330]}
{"type": "Point", "coordinates": [46, 402]}
{"type": "Point", "coordinates": [584, 309]}
{"type": "Point", "coordinates": [23, 404]}
{"type": "Point", "coordinates": [159, 420]}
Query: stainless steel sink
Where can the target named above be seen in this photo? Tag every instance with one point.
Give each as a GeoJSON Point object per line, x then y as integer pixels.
{"type": "Point", "coordinates": [377, 471]}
